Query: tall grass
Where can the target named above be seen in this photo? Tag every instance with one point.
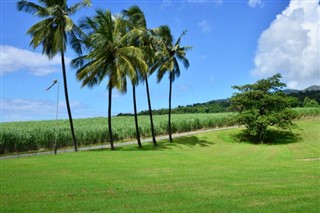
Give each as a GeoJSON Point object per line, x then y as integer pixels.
{"type": "Point", "coordinates": [307, 112]}
{"type": "Point", "coordinates": [35, 135]}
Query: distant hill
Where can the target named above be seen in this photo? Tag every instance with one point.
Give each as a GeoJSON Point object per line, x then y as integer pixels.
{"type": "Point", "coordinates": [223, 105]}
{"type": "Point", "coordinates": [313, 88]}
{"type": "Point", "coordinates": [312, 92]}
{"type": "Point", "coordinates": [214, 106]}
{"type": "Point", "coordinates": [291, 91]}
{"type": "Point", "coordinates": [294, 91]}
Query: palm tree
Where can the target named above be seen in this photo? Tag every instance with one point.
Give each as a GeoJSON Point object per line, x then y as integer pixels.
{"type": "Point", "coordinates": [171, 53]}
{"type": "Point", "coordinates": [109, 55]}
{"type": "Point", "coordinates": [54, 32]}
{"type": "Point", "coordinates": [136, 20]}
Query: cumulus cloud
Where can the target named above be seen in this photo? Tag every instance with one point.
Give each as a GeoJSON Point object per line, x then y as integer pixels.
{"type": "Point", "coordinates": [255, 3]}
{"type": "Point", "coordinates": [291, 44]}
{"type": "Point", "coordinates": [14, 59]}
{"type": "Point", "coordinates": [205, 26]}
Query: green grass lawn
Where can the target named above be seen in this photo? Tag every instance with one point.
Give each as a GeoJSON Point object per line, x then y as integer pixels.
{"type": "Point", "coordinates": [203, 173]}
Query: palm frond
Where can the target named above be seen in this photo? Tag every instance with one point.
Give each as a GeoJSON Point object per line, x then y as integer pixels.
{"type": "Point", "coordinates": [184, 60]}
{"type": "Point", "coordinates": [135, 17]}
{"type": "Point", "coordinates": [176, 70]}
{"type": "Point", "coordinates": [80, 62]}
{"type": "Point", "coordinates": [76, 7]}
{"type": "Point", "coordinates": [180, 37]}
{"type": "Point", "coordinates": [32, 8]}
{"type": "Point", "coordinates": [40, 31]}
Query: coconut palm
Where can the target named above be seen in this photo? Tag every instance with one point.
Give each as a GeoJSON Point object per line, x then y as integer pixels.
{"type": "Point", "coordinates": [109, 55]}
{"type": "Point", "coordinates": [146, 41]}
{"type": "Point", "coordinates": [171, 53]}
{"type": "Point", "coordinates": [54, 32]}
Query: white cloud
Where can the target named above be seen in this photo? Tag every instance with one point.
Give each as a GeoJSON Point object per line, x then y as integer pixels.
{"type": "Point", "coordinates": [291, 45]}
{"type": "Point", "coordinates": [205, 26]}
{"type": "Point", "coordinates": [27, 109]}
{"type": "Point", "coordinates": [255, 3]}
{"type": "Point", "coordinates": [14, 59]}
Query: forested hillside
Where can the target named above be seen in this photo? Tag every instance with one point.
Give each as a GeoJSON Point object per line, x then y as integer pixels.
{"type": "Point", "coordinates": [223, 105]}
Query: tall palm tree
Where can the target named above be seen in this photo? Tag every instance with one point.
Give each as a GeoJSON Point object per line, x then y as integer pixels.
{"type": "Point", "coordinates": [54, 32]}
{"type": "Point", "coordinates": [132, 24]}
{"type": "Point", "coordinates": [109, 55]}
{"type": "Point", "coordinates": [171, 54]}
{"type": "Point", "coordinates": [136, 20]}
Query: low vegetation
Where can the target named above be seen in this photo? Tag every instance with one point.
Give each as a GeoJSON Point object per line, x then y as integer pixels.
{"type": "Point", "coordinates": [38, 135]}
{"type": "Point", "coordinates": [209, 172]}
{"type": "Point", "coordinates": [35, 135]}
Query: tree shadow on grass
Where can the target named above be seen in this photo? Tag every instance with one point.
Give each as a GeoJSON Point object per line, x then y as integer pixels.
{"type": "Point", "coordinates": [188, 141]}
{"type": "Point", "coordinates": [274, 137]}
{"type": "Point", "coordinates": [191, 141]}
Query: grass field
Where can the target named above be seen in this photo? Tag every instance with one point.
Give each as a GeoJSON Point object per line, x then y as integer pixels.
{"type": "Point", "coordinates": [208, 172]}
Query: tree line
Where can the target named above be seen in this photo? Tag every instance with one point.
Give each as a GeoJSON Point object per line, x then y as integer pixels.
{"type": "Point", "coordinates": [298, 99]}
{"type": "Point", "coordinates": [215, 106]}
{"type": "Point", "coordinates": [116, 48]}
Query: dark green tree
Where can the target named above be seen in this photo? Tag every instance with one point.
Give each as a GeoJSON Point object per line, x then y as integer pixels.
{"type": "Point", "coordinates": [310, 102]}
{"type": "Point", "coordinates": [54, 32]}
{"type": "Point", "coordinates": [262, 105]}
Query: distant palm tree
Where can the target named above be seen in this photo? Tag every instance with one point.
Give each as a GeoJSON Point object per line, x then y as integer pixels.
{"type": "Point", "coordinates": [54, 32]}
{"type": "Point", "coordinates": [109, 55]}
{"type": "Point", "coordinates": [146, 41]}
{"type": "Point", "coordinates": [171, 52]}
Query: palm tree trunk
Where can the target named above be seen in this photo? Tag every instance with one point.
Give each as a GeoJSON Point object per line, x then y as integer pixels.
{"type": "Point", "coordinates": [170, 93]}
{"type": "Point", "coordinates": [109, 117]}
{"type": "Point", "coordinates": [135, 115]}
{"type": "Point", "coordinates": [150, 114]}
{"type": "Point", "coordinates": [67, 102]}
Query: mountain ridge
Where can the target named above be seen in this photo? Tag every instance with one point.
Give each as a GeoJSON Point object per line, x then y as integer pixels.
{"type": "Point", "coordinates": [310, 88]}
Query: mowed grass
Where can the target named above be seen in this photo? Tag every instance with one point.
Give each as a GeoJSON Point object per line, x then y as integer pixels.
{"type": "Point", "coordinates": [208, 172]}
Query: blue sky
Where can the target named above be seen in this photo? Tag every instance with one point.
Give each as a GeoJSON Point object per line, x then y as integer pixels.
{"type": "Point", "coordinates": [234, 43]}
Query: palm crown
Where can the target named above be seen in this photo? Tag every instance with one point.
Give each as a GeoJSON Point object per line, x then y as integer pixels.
{"type": "Point", "coordinates": [57, 28]}
{"type": "Point", "coordinates": [110, 53]}
{"type": "Point", "coordinates": [171, 53]}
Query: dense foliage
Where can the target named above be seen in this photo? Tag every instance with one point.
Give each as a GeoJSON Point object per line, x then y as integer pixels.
{"type": "Point", "coordinates": [301, 96]}
{"type": "Point", "coordinates": [262, 105]}
{"type": "Point", "coordinates": [215, 106]}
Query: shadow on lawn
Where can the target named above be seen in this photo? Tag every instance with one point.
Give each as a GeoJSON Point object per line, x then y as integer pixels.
{"type": "Point", "coordinates": [191, 141]}
{"type": "Point", "coordinates": [274, 137]}
{"type": "Point", "coordinates": [188, 141]}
